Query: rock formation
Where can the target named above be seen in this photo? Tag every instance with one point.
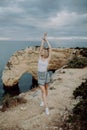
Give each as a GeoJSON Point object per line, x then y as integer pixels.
{"type": "Point", "coordinates": [26, 60]}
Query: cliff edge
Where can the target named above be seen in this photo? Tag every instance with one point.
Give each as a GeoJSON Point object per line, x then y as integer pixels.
{"type": "Point", "coordinates": [30, 116]}
{"type": "Point", "coordinates": [25, 61]}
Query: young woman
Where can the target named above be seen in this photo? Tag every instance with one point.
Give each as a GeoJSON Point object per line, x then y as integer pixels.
{"type": "Point", "coordinates": [43, 75]}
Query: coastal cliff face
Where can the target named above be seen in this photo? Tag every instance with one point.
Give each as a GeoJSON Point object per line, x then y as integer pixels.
{"type": "Point", "coordinates": [26, 61]}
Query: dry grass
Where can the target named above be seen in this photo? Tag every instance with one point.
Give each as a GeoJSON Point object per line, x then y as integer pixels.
{"type": "Point", "coordinates": [10, 102]}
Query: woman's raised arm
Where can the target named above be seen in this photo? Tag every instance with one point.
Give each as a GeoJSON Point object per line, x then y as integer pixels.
{"type": "Point", "coordinates": [41, 47]}
{"type": "Point", "coordinates": [50, 48]}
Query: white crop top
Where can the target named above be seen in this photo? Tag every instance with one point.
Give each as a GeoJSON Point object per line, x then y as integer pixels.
{"type": "Point", "coordinates": [42, 65]}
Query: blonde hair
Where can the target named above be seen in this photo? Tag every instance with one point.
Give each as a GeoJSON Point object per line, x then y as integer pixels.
{"type": "Point", "coordinates": [45, 52]}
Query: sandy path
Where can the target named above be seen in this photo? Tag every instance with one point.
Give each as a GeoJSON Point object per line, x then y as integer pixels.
{"type": "Point", "coordinates": [33, 117]}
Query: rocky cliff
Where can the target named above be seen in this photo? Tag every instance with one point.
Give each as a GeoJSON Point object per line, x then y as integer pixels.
{"type": "Point", "coordinates": [30, 116]}
{"type": "Point", "coordinates": [25, 61]}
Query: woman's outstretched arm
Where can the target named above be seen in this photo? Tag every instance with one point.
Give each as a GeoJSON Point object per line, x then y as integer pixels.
{"type": "Point", "coordinates": [41, 47]}
{"type": "Point", "coordinates": [50, 48]}
{"type": "Point", "coordinates": [43, 41]}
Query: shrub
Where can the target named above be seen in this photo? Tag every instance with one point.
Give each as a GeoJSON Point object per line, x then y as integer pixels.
{"type": "Point", "coordinates": [77, 62]}
{"type": "Point", "coordinates": [83, 52]}
{"type": "Point", "coordinates": [79, 112]}
{"type": "Point", "coordinates": [10, 102]}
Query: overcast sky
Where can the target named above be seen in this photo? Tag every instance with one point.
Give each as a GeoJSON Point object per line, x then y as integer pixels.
{"type": "Point", "coordinates": [28, 19]}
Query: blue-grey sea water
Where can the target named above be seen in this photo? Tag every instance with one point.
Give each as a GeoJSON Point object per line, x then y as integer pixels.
{"type": "Point", "coordinates": [7, 48]}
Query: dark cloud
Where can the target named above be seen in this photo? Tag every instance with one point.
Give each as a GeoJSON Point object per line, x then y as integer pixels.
{"type": "Point", "coordinates": [46, 7]}
{"type": "Point", "coordinates": [23, 18]}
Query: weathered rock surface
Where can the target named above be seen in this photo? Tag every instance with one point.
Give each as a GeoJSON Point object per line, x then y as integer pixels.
{"type": "Point", "coordinates": [31, 116]}
{"type": "Point", "coordinates": [26, 60]}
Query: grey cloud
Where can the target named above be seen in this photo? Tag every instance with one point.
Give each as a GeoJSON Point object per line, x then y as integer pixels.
{"type": "Point", "coordinates": [33, 14]}
{"type": "Point", "coordinates": [45, 7]}
{"type": "Point", "coordinates": [4, 3]}
{"type": "Point", "coordinates": [50, 7]}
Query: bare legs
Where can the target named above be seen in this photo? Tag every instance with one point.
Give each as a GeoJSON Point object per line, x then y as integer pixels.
{"type": "Point", "coordinates": [44, 90]}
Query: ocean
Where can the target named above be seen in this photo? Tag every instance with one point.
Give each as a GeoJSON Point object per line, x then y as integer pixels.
{"type": "Point", "coordinates": [7, 48]}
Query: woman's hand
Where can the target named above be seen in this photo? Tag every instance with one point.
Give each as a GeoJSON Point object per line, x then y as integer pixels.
{"type": "Point", "coordinates": [44, 37]}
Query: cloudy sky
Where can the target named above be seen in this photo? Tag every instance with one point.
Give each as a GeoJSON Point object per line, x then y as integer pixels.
{"type": "Point", "coordinates": [28, 19]}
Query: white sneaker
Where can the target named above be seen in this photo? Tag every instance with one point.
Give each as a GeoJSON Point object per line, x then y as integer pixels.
{"type": "Point", "coordinates": [47, 111]}
{"type": "Point", "coordinates": [42, 104]}
{"type": "Point", "coordinates": [23, 108]}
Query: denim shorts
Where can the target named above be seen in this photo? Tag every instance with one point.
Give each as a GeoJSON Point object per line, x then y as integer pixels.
{"type": "Point", "coordinates": [43, 78]}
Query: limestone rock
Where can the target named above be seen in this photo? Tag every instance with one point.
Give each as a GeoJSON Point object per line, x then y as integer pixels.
{"type": "Point", "coordinates": [26, 60]}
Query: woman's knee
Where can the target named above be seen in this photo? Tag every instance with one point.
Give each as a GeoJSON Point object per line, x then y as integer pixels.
{"type": "Point", "coordinates": [44, 92]}
{"type": "Point", "coordinates": [46, 86]}
{"type": "Point", "coordinates": [43, 89]}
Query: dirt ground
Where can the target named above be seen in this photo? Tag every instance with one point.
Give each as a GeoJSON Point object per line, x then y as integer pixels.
{"type": "Point", "coordinates": [31, 116]}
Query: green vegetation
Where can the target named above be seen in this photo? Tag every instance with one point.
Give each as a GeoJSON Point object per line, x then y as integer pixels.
{"type": "Point", "coordinates": [78, 119]}
{"type": "Point", "coordinates": [78, 62]}
{"type": "Point", "coordinates": [10, 102]}
{"type": "Point", "coordinates": [79, 59]}
{"type": "Point", "coordinates": [83, 52]}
